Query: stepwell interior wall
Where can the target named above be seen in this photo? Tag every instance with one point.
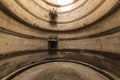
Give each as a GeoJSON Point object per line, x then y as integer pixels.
{"type": "Point", "coordinates": [97, 44]}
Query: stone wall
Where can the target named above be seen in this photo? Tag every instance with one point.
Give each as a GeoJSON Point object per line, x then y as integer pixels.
{"type": "Point", "coordinates": [97, 44]}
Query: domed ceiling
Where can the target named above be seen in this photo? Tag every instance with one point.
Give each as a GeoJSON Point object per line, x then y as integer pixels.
{"type": "Point", "coordinates": [71, 14]}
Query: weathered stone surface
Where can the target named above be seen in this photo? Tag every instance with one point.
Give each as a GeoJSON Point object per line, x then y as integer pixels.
{"type": "Point", "coordinates": [23, 42]}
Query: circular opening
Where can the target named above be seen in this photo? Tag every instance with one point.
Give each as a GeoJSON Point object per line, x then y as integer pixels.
{"type": "Point", "coordinates": [60, 2]}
